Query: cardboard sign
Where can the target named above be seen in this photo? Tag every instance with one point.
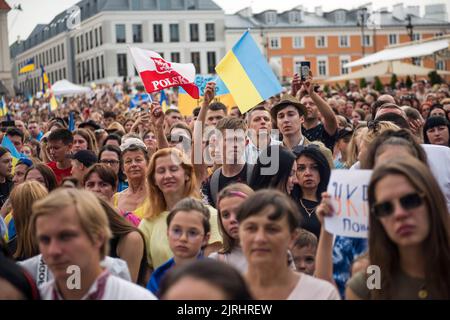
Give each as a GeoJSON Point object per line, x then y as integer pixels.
{"type": "Point", "coordinates": [348, 191]}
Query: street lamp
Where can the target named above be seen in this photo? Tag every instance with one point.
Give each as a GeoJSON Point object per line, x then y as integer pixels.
{"type": "Point", "coordinates": [409, 27]}
{"type": "Point", "coordinates": [361, 23]}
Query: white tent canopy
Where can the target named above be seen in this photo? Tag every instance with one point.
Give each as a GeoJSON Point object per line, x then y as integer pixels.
{"type": "Point", "coordinates": [387, 68]}
{"type": "Point", "coordinates": [67, 88]}
{"type": "Point", "coordinates": [398, 53]}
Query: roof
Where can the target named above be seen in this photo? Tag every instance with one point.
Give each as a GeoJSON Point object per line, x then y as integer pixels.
{"type": "Point", "coordinates": [90, 8]}
{"type": "Point", "coordinates": [4, 5]}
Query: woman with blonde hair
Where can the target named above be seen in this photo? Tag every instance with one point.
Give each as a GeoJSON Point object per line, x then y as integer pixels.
{"type": "Point", "coordinates": [170, 178]}
{"type": "Point", "coordinates": [23, 245]}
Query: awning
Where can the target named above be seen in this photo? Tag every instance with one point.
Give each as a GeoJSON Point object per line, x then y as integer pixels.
{"type": "Point", "coordinates": [398, 53]}
{"type": "Point", "coordinates": [67, 88]}
{"type": "Point", "coordinates": [387, 68]}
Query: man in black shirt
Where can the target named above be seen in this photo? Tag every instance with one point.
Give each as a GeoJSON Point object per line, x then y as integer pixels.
{"type": "Point", "coordinates": [312, 128]}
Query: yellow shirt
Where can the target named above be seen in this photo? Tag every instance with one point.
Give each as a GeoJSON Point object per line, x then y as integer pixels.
{"type": "Point", "coordinates": [138, 212]}
{"type": "Point", "coordinates": [157, 243]}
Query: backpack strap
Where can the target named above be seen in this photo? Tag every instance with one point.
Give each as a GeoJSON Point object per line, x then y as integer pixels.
{"type": "Point", "coordinates": [214, 185]}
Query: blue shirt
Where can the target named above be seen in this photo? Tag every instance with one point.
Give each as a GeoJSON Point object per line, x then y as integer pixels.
{"type": "Point", "coordinates": [11, 229]}
{"type": "Point", "coordinates": [158, 274]}
{"type": "Point", "coordinates": [39, 136]}
{"type": "Point", "coordinates": [345, 251]}
{"type": "Point", "coordinates": [122, 186]}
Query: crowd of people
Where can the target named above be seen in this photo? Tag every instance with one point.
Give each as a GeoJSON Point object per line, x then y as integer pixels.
{"type": "Point", "coordinates": [114, 197]}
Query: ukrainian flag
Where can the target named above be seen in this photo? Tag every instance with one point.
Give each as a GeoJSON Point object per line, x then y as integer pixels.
{"type": "Point", "coordinates": [163, 101]}
{"type": "Point", "coordinates": [3, 107]}
{"type": "Point", "coordinates": [29, 66]}
{"type": "Point", "coordinates": [7, 143]}
{"type": "Point", "coordinates": [247, 75]}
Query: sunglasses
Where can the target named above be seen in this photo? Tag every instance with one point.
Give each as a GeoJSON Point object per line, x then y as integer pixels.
{"type": "Point", "coordinates": [408, 202]}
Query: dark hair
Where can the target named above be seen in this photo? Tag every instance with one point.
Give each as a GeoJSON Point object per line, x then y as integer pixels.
{"type": "Point", "coordinates": [217, 274]}
{"type": "Point", "coordinates": [231, 123]}
{"type": "Point", "coordinates": [262, 199]}
{"type": "Point", "coordinates": [15, 132]}
{"type": "Point", "coordinates": [434, 122]}
{"type": "Point", "coordinates": [104, 172]}
{"type": "Point", "coordinates": [273, 155]}
{"type": "Point", "coordinates": [113, 136]}
{"type": "Point", "coordinates": [313, 152]}
{"type": "Point", "coordinates": [196, 111]}
{"type": "Point", "coordinates": [48, 174]}
{"type": "Point", "coordinates": [109, 114]}
{"type": "Point", "coordinates": [376, 105]}
{"type": "Point", "coordinates": [395, 119]}
{"type": "Point", "coordinates": [188, 204]}
{"type": "Point", "coordinates": [18, 277]}
{"type": "Point", "coordinates": [217, 106]}
{"type": "Point", "coordinates": [400, 137]}
{"type": "Point", "coordinates": [171, 110]}
{"type": "Point", "coordinates": [3, 151]}
{"type": "Point", "coordinates": [115, 149]}
{"type": "Point", "coordinates": [63, 135]}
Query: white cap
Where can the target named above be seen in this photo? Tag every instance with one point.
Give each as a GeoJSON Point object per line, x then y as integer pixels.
{"type": "Point", "coordinates": [132, 141]}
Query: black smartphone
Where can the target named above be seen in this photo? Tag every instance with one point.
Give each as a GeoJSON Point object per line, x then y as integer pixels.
{"type": "Point", "coordinates": [305, 66]}
{"type": "Point", "coordinates": [7, 124]}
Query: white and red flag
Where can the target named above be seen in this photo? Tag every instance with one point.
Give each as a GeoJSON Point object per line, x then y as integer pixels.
{"type": "Point", "coordinates": [158, 74]}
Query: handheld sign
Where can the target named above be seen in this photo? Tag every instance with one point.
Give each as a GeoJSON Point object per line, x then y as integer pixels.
{"type": "Point", "coordinates": [348, 191]}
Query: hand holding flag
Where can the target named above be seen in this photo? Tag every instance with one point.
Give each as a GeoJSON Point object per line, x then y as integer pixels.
{"type": "Point", "coordinates": [158, 74]}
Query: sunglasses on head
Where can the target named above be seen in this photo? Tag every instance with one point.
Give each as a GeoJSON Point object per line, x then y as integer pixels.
{"type": "Point", "coordinates": [408, 202]}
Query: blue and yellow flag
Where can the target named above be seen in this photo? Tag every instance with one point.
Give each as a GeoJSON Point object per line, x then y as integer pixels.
{"type": "Point", "coordinates": [44, 79]}
{"type": "Point", "coordinates": [3, 107]}
{"type": "Point", "coordinates": [163, 101]}
{"type": "Point", "coordinates": [7, 143]}
{"type": "Point", "coordinates": [247, 75]}
{"type": "Point", "coordinates": [28, 67]}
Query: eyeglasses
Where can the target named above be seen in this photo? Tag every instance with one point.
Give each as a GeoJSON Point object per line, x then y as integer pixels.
{"type": "Point", "coordinates": [408, 202]}
{"type": "Point", "coordinates": [177, 233]}
{"type": "Point", "coordinates": [110, 162]}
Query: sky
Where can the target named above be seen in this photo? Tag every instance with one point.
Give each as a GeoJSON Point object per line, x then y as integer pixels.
{"type": "Point", "coordinates": [21, 23]}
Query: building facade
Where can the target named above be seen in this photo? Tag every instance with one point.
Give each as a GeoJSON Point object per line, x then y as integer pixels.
{"type": "Point", "coordinates": [97, 50]}
{"type": "Point", "coordinates": [329, 40]}
{"type": "Point", "coordinates": [6, 80]}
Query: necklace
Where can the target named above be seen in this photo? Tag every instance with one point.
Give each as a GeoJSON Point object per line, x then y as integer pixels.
{"type": "Point", "coordinates": [308, 211]}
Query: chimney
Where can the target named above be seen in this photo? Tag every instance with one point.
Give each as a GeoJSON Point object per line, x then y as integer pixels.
{"type": "Point", "coordinates": [319, 11]}
{"type": "Point", "coordinates": [246, 12]}
{"type": "Point", "coordinates": [398, 12]}
{"type": "Point", "coordinates": [413, 10]}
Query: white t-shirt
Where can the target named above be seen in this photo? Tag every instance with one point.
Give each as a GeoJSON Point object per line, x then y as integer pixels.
{"type": "Point", "coordinates": [106, 287]}
{"type": "Point", "coordinates": [310, 288]}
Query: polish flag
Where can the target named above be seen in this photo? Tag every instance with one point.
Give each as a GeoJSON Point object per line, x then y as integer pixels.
{"type": "Point", "coordinates": [158, 74]}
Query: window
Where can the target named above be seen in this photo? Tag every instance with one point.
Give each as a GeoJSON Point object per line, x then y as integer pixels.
{"type": "Point", "coordinates": [96, 37]}
{"type": "Point", "coordinates": [120, 33]}
{"type": "Point", "coordinates": [82, 42]}
{"type": "Point", "coordinates": [136, 4]}
{"type": "Point", "coordinates": [137, 33]}
{"type": "Point", "coordinates": [51, 57]}
{"type": "Point", "coordinates": [60, 74]}
{"type": "Point", "coordinates": [210, 32]}
{"type": "Point", "coordinates": [175, 57]}
{"type": "Point", "coordinates": [297, 42]}
{"type": "Point", "coordinates": [88, 71]}
{"type": "Point", "coordinates": [177, 4]}
{"type": "Point", "coordinates": [103, 66]}
{"type": "Point", "coordinates": [343, 42]}
{"type": "Point", "coordinates": [59, 53]}
{"type": "Point", "coordinates": [161, 54]}
{"type": "Point", "coordinates": [392, 39]}
{"type": "Point", "coordinates": [439, 34]}
{"type": "Point", "coordinates": [91, 39]}
{"type": "Point", "coordinates": [97, 65]}
{"type": "Point", "coordinates": [122, 65]}
{"type": "Point", "coordinates": [271, 17]}
{"type": "Point", "coordinates": [83, 74]}
{"type": "Point", "coordinates": [367, 41]}
{"type": "Point", "coordinates": [344, 61]}
{"type": "Point", "coordinates": [157, 33]}
{"type": "Point", "coordinates": [211, 57]}
{"type": "Point", "coordinates": [339, 16]}
{"type": "Point", "coordinates": [62, 51]}
{"type": "Point", "coordinates": [274, 43]}
{"type": "Point", "coordinates": [64, 73]}
{"type": "Point", "coordinates": [87, 41]}
{"type": "Point", "coordinates": [193, 29]}
{"type": "Point", "coordinates": [417, 61]}
{"type": "Point", "coordinates": [174, 32]}
{"type": "Point", "coordinates": [46, 58]}
{"type": "Point", "coordinates": [440, 65]}
{"type": "Point", "coordinates": [54, 54]}
{"type": "Point", "coordinates": [101, 35]}
{"type": "Point", "coordinates": [190, 4]}
{"type": "Point", "coordinates": [321, 42]}
{"type": "Point", "coordinates": [294, 17]}
{"type": "Point", "coordinates": [195, 59]}
{"type": "Point", "coordinates": [416, 36]}
{"type": "Point", "coordinates": [322, 67]}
